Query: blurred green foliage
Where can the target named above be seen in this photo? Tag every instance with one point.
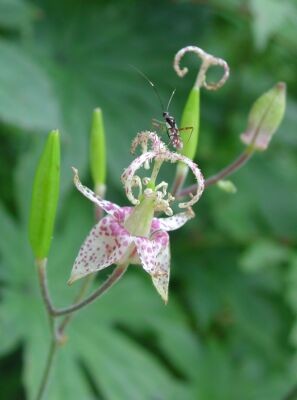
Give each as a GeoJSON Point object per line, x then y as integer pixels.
{"type": "Point", "coordinates": [229, 330]}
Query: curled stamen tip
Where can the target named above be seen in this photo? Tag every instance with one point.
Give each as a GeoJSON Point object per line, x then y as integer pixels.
{"type": "Point", "coordinates": [182, 72]}
{"type": "Point", "coordinates": [208, 60]}
{"type": "Point", "coordinates": [75, 171]}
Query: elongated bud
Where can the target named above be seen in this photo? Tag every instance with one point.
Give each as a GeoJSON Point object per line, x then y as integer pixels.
{"type": "Point", "coordinates": [45, 197]}
{"type": "Point", "coordinates": [97, 152]}
{"type": "Point", "coordinates": [189, 133]}
{"type": "Point", "coordinates": [190, 124]}
{"type": "Point", "coordinates": [265, 117]}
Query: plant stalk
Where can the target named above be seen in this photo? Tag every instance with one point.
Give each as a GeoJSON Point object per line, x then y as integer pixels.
{"type": "Point", "coordinates": [230, 169]}
{"type": "Point", "coordinates": [48, 366]}
{"type": "Point", "coordinates": [58, 335]}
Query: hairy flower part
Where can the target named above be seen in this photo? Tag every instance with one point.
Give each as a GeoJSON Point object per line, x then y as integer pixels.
{"type": "Point", "coordinates": [132, 234]}
{"type": "Point", "coordinates": [160, 154]}
{"type": "Point", "coordinates": [143, 138]}
{"type": "Point", "coordinates": [208, 60]}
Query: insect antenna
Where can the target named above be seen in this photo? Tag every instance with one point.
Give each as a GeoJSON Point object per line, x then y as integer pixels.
{"type": "Point", "coordinates": [171, 97]}
{"type": "Point", "coordinates": [151, 83]}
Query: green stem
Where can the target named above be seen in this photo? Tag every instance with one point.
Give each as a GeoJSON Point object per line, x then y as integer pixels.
{"type": "Point", "coordinates": [58, 335]}
{"type": "Point", "coordinates": [230, 169]}
{"type": "Point", "coordinates": [81, 293]}
{"type": "Point", "coordinates": [48, 368]}
{"type": "Point", "coordinates": [117, 273]}
{"type": "Point", "coordinates": [55, 312]}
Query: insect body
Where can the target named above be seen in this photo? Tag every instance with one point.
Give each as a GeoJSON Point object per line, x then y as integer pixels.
{"type": "Point", "coordinates": [169, 121]}
{"type": "Point", "coordinates": [173, 131]}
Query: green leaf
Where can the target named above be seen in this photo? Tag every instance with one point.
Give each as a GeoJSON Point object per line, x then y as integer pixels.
{"type": "Point", "coordinates": [15, 14]}
{"type": "Point", "coordinates": [269, 17]}
{"type": "Point", "coordinates": [144, 377]}
{"type": "Point", "coordinates": [263, 254]}
{"type": "Point", "coordinates": [26, 96]}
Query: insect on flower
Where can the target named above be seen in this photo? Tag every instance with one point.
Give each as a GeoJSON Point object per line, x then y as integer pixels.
{"type": "Point", "coordinates": [169, 121]}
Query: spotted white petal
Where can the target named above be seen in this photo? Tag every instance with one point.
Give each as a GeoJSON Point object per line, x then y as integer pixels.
{"type": "Point", "coordinates": [174, 222]}
{"type": "Point", "coordinates": [109, 207]}
{"type": "Point", "coordinates": [161, 276]}
{"type": "Point", "coordinates": [106, 244]}
{"type": "Point", "coordinates": [147, 251]}
{"type": "Point", "coordinates": [154, 257]}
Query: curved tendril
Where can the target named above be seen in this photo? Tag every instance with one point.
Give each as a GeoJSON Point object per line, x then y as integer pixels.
{"type": "Point", "coordinates": [130, 173]}
{"type": "Point", "coordinates": [175, 157]}
{"type": "Point", "coordinates": [208, 61]}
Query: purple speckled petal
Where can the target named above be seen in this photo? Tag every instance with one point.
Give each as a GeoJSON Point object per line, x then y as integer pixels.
{"type": "Point", "coordinates": [105, 245]}
{"type": "Point", "coordinates": [174, 222]}
{"type": "Point", "coordinates": [155, 259]}
{"type": "Point", "coordinates": [109, 207]}
{"type": "Point", "coordinates": [161, 276]}
{"type": "Point", "coordinates": [147, 251]}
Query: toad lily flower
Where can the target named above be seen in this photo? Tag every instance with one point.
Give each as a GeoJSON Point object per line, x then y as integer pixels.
{"type": "Point", "coordinates": [132, 235]}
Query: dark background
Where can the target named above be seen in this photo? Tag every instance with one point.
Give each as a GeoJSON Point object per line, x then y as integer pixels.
{"type": "Point", "coordinates": [229, 330]}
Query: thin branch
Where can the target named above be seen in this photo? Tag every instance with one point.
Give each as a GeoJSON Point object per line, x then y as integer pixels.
{"type": "Point", "coordinates": [48, 368]}
{"type": "Point", "coordinates": [117, 273]}
{"type": "Point", "coordinates": [230, 169]}
{"type": "Point", "coordinates": [111, 280]}
{"type": "Point", "coordinates": [80, 295]}
{"type": "Point", "coordinates": [41, 264]}
{"type": "Point", "coordinates": [57, 335]}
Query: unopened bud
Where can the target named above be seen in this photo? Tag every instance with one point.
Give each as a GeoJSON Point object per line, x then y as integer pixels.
{"type": "Point", "coordinates": [265, 117]}
{"type": "Point", "coordinates": [227, 186]}
{"type": "Point", "coordinates": [190, 124]}
{"type": "Point", "coordinates": [189, 132]}
{"type": "Point", "coordinates": [97, 152]}
{"type": "Point", "coordinates": [45, 197]}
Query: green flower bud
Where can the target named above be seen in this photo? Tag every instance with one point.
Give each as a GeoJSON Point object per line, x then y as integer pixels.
{"type": "Point", "coordinates": [227, 186]}
{"type": "Point", "coordinates": [97, 152]}
{"type": "Point", "coordinates": [265, 117]}
{"type": "Point", "coordinates": [189, 132]}
{"type": "Point", "coordinates": [190, 120]}
{"type": "Point", "coordinates": [45, 197]}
